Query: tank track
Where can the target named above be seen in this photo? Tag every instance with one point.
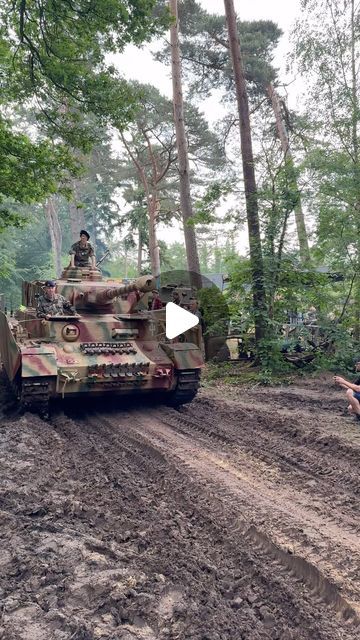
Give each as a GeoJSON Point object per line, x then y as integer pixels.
{"type": "Point", "coordinates": [33, 395]}
{"type": "Point", "coordinates": [188, 383]}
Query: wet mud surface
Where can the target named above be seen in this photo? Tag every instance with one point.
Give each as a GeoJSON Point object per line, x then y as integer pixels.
{"type": "Point", "coordinates": [234, 518]}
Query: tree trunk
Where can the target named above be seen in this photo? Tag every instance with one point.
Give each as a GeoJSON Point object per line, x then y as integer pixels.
{"type": "Point", "coordinates": [154, 251]}
{"type": "Point", "coordinates": [257, 267]}
{"type": "Point", "coordinates": [139, 252]}
{"type": "Point", "coordinates": [183, 160]}
{"type": "Point", "coordinates": [125, 262]}
{"type": "Point", "coordinates": [55, 234]}
{"type": "Point", "coordinates": [77, 217]}
{"type": "Point", "coordinates": [285, 145]}
{"type": "Point", "coordinates": [94, 235]}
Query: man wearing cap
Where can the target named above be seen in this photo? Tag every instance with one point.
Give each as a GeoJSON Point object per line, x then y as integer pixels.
{"type": "Point", "coordinates": [82, 253]}
{"type": "Point", "coordinates": [53, 304]}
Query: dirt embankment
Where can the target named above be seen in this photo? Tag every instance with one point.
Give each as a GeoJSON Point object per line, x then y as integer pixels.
{"type": "Point", "coordinates": [231, 519]}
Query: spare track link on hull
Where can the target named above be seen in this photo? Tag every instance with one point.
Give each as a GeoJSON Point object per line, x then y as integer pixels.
{"type": "Point", "coordinates": [34, 396]}
{"type": "Point", "coordinates": [187, 387]}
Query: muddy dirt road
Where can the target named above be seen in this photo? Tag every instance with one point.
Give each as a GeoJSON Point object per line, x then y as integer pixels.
{"type": "Point", "coordinates": [231, 519]}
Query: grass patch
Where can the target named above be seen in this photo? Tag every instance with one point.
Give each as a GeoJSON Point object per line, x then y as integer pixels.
{"type": "Point", "coordinates": [242, 373]}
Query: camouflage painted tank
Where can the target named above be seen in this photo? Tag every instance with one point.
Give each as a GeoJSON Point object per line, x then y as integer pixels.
{"type": "Point", "coordinates": [184, 293]}
{"type": "Point", "coordinates": [109, 347]}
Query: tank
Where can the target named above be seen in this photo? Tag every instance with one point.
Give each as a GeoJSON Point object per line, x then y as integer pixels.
{"type": "Point", "coordinates": [185, 293]}
{"type": "Point", "coordinates": [110, 347]}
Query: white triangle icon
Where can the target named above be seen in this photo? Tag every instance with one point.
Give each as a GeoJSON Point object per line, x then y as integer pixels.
{"type": "Point", "coordinates": [178, 320]}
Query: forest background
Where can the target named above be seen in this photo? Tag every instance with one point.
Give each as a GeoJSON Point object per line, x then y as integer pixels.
{"type": "Point", "coordinates": [83, 147]}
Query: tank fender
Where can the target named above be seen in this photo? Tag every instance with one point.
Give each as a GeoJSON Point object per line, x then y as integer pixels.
{"type": "Point", "coordinates": [39, 362]}
{"type": "Point", "coordinates": [184, 355]}
{"type": "Point", "coordinates": [9, 350]}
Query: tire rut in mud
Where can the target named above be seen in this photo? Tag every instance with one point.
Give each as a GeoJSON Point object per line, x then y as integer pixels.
{"type": "Point", "coordinates": [330, 464]}
{"type": "Point", "coordinates": [310, 515]}
{"type": "Point", "coordinates": [109, 532]}
{"type": "Point", "coordinates": [233, 489]}
{"type": "Point", "coordinates": [303, 569]}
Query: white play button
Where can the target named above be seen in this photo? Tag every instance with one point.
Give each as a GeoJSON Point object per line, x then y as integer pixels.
{"type": "Point", "coordinates": [178, 320]}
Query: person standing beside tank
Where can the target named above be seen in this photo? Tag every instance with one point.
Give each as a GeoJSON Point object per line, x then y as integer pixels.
{"type": "Point", "coordinates": [176, 298]}
{"type": "Point", "coordinates": [82, 252]}
{"type": "Point", "coordinates": [156, 302]}
{"type": "Point", "coordinates": [53, 304]}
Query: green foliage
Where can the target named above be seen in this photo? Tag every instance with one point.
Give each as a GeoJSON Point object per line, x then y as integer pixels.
{"type": "Point", "coordinates": [240, 374]}
{"type": "Point", "coordinates": [29, 172]}
{"type": "Point", "coordinates": [271, 359]}
{"type": "Point", "coordinates": [214, 311]}
{"type": "Point", "coordinates": [54, 62]}
{"type": "Point", "coordinates": [59, 48]}
{"type": "Point", "coordinates": [173, 256]}
{"type": "Point", "coordinates": [326, 51]}
{"type": "Point", "coordinates": [26, 255]}
{"type": "Point", "coordinates": [297, 290]}
{"type": "Point", "coordinates": [122, 266]}
{"type": "Point", "coordinates": [204, 46]}
{"type": "Point", "coordinates": [205, 209]}
{"type": "Point", "coordinates": [239, 295]}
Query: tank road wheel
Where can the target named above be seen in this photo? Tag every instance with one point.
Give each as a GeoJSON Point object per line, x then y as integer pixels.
{"type": "Point", "coordinates": [34, 396]}
{"type": "Point", "coordinates": [187, 386]}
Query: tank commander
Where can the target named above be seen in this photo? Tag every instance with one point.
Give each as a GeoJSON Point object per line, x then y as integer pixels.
{"type": "Point", "coordinates": [82, 252]}
{"type": "Point", "coordinates": [53, 304]}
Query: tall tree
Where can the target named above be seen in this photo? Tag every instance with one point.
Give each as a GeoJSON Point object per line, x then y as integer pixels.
{"type": "Point", "coordinates": [152, 164]}
{"type": "Point", "coordinates": [207, 66]}
{"type": "Point", "coordinates": [181, 142]}
{"type": "Point", "coordinates": [290, 166]}
{"type": "Point", "coordinates": [327, 52]}
{"type": "Point", "coordinates": [258, 284]}
{"type": "Point", "coordinates": [151, 145]}
{"type": "Point", "coordinates": [55, 233]}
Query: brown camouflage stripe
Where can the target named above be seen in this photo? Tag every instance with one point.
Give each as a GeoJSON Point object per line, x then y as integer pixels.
{"type": "Point", "coordinates": [38, 364]}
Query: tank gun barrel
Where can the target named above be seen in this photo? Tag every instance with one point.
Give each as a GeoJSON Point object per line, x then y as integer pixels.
{"type": "Point", "coordinates": [143, 285]}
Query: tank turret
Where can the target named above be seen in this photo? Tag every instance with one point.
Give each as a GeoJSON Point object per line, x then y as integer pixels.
{"type": "Point", "coordinates": [108, 347]}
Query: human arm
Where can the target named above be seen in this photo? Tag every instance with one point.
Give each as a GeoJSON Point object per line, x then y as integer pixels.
{"type": "Point", "coordinates": [43, 315]}
{"type": "Point", "coordinates": [345, 384]}
{"type": "Point", "coordinates": [72, 255]}
{"type": "Point", "coordinates": [68, 307]}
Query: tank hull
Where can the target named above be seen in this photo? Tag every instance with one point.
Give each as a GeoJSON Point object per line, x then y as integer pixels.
{"type": "Point", "coordinates": [103, 357]}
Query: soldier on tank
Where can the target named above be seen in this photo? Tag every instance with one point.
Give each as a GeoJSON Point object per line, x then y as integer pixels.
{"type": "Point", "coordinates": [82, 252]}
{"type": "Point", "coordinates": [53, 304]}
